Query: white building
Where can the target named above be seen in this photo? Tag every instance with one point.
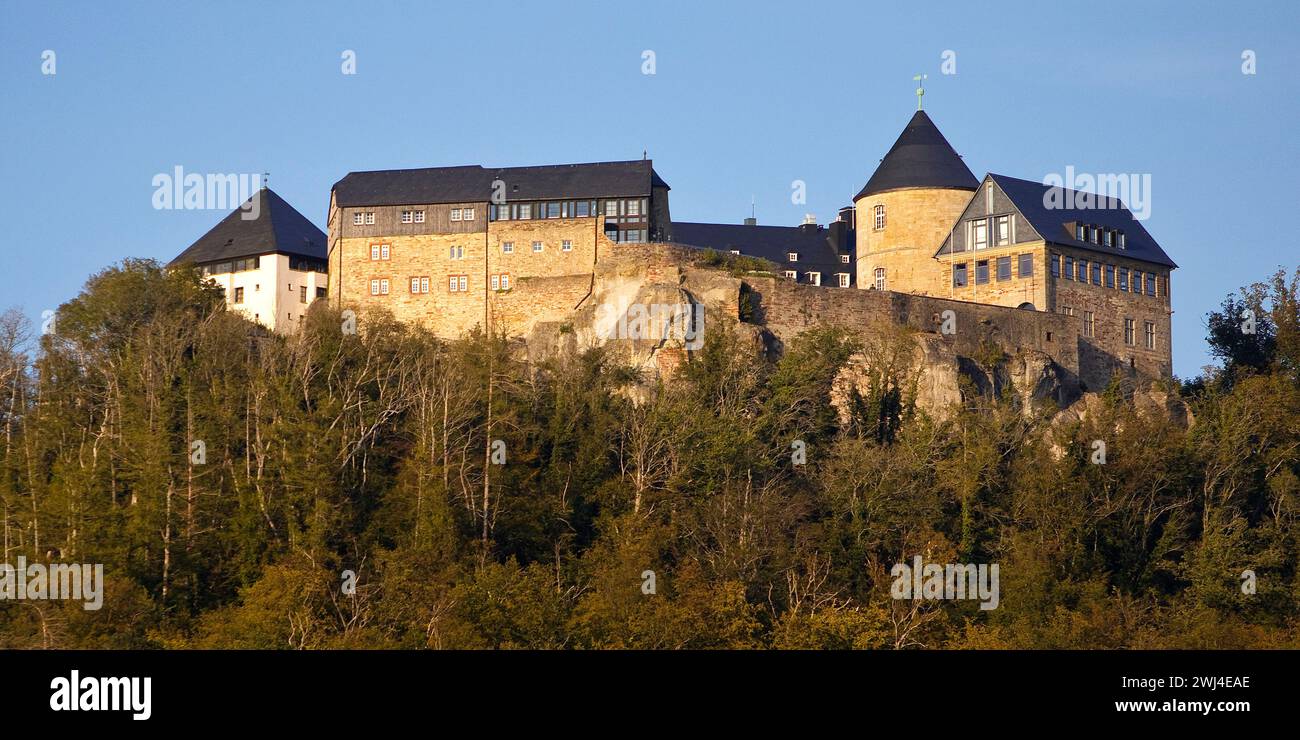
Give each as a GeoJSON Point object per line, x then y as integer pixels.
{"type": "Point", "coordinates": [272, 267]}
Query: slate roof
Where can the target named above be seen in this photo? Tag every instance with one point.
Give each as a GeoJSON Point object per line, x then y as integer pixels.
{"type": "Point", "coordinates": [921, 158]}
{"type": "Point", "coordinates": [473, 183]}
{"type": "Point", "coordinates": [278, 228]}
{"type": "Point", "coordinates": [1030, 198]}
{"type": "Point", "coordinates": [814, 245]}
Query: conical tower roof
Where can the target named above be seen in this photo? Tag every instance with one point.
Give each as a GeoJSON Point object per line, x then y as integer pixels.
{"type": "Point", "coordinates": [921, 158]}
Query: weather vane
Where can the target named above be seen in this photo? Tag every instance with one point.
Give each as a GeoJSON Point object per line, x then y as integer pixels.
{"type": "Point", "coordinates": [920, 89]}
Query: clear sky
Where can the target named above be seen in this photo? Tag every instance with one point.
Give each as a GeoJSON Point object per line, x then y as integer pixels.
{"type": "Point", "coordinates": [746, 98]}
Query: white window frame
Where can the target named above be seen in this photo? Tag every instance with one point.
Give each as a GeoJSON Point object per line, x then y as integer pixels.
{"type": "Point", "coordinates": [791, 256]}
{"type": "Point", "coordinates": [843, 278]}
{"type": "Point", "coordinates": [419, 216]}
{"type": "Point", "coordinates": [357, 218]}
{"type": "Point", "coordinates": [814, 278]}
{"type": "Point", "coordinates": [566, 245]}
{"type": "Point", "coordinates": [408, 217]}
{"type": "Point", "coordinates": [537, 247]}
{"type": "Point", "coordinates": [879, 215]}
{"type": "Point", "coordinates": [385, 252]}
{"type": "Point", "coordinates": [370, 218]}
{"type": "Point", "coordinates": [415, 285]}
{"type": "Point", "coordinates": [374, 286]}
{"type": "Point", "coordinates": [844, 259]}
{"type": "Point", "coordinates": [467, 214]}
{"type": "Point", "coordinates": [374, 252]}
{"type": "Point", "coordinates": [383, 286]}
{"type": "Point", "coordinates": [792, 274]}
{"type": "Point", "coordinates": [464, 283]}
{"type": "Point", "coordinates": [1000, 239]}
{"type": "Point", "coordinates": [455, 214]}
{"type": "Point", "coordinates": [880, 279]}
{"type": "Point", "coordinates": [979, 233]}
{"type": "Point", "coordinates": [496, 282]}
{"type": "Point", "coordinates": [505, 281]}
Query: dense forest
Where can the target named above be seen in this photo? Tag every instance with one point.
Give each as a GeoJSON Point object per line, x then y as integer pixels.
{"type": "Point", "coordinates": [387, 489]}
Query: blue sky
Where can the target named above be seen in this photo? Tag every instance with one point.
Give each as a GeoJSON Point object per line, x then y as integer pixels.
{"type": "Point", "coordinates": [746, 98]}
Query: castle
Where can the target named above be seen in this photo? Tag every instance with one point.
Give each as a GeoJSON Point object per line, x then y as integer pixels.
{"type": "Point", "coordinates": [456, 247]}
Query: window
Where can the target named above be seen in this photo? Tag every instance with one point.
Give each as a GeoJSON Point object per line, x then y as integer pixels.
{"type": "Point", "coordinates": [320, 293]}
{"type": "Point", "coordinates": [500, 282]}
{"type": "Point", "coordinates": [419, 285]}
{"type": "Point", "coordinates": [1092, 234]}
{"type": "Point", "coordinates": [843, 278]}
{"type": "Point", "coordinates": [370, 218]}
{"type": "Point", "coordinates": [1026, 265]}
{"type": "Point", "coordinates": [1128, 331]}
{"type": "Point", "coordinates": [979, 230]}
{"type": "Point", "coordinates": [981, 272]}
{"type": "Point", "coordinates": [1120, 241]}
{"type": "Point", "coordinates": [815, 278]}
{"type": "Point", "coordinates": [374, 252]}
{"type": "Point", "coordinates": [566, 245]}
{"type": "Point", "coordinates": [792, 275]}
{"type": "Point", "coordinates": [792, 256]}
{"type": "Point", "coordinates": [456, 253]}
{"type": "Point", "coordinates": [1123, 279]}
{"type": "Point", "coordinates": [1082, 275]}
{"type": "Point", "coordinates": [880, 217]}
{"type": "Point", "coordinates": [1096, 273]}
{"type": "Point", "coordinates": [525, 211]}
{"type": "Point", "coordinates": [383, 286]}
{"type": "Point", "coordinates": [508, 247]}
{"type": "Point", "coordinates": [1108, 237]}
{"type": "Point", "coordinates": [1110, 276]}
{"type": "Point", "coordinates": [468, 214]}
{"type": "Point", "coordinates": [959, 275]}
{"type": "Point", "coordinates": [1054, 262]}
{"type": "Point", "coordinates": [1004, 268]}
{"type": "Point", "coordinates": [537, 246]}
{"type": "Point", "coordinates": [385, 252]}
{"type": "Point", "coordinates": [634, 207]}
{"type": "Point", "coordinates": [419, 217]}
{"type": "Point", "coordinates": [239, 295]}
{"type": "Point", "coordinates": [455, 214]}
{"type": "Point", "coordinates": [611, 208]}
{"type": "Point", "coordinates": [1079, 232]}
{"type": "Point", "coordinates": [1151, 283]}
{"type": "Point", "coordinates": [1069, 267]}
{"type": "Point", "coordinates": [302, 294]}
{"type": "Point", "coordinates": [1089, 324]}
{"type": "Point", "coordinates": [552, 210]}
{"type": "Point", "coordinates": [844, 258]}
{"type": "Point", "coordinates": [1066, 311]}
{"type": "Point", "coordinates": [356, 218]}
{"type": "Point", "coordinates": [734, 251]}
{"type": "Point", "coordinates": [583, 209]}
{"type": "Point", "coordinates": [505, 282]}
{"type": "Point", "coordinates": [1137, 281]}
{"type": "Point", "coordinates": [1002, 230]}
{"type": "Point", "coordinates": [881, 283]}
{"type": "Point", "coordinates": [457, 283]}
{"type": "Point", "coordinates": [496, 282]}
{"type": "Point", "coordinates": [1149, 334]}
{"type": "Point", "coordinates": [408, 217]}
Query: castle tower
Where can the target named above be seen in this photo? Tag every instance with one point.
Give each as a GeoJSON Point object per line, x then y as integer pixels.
{"type": "Point", "coordinates": [907, 208]}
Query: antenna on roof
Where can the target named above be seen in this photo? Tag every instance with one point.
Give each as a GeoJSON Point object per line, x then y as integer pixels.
{"type": "Point", "coordinates": [644, 154]}
{"type": "Point", "coordinates": [920, 89]}
{"type": "Point", "coordinates": [266, 180]}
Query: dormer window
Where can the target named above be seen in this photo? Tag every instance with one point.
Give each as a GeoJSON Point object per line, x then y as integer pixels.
{"type": "Point", "coordinates": [1109, 237]}
{"type": "Point", "coordinates": [1092, 234]}
{"type": "Point", "coordinates": [979, 229]}
{"type": "Point", "coordinates": [735, 251]}
{"type": "Point", "coordinates": [792, 256]}
{"type": "Point", "coordinates": [1079, 233]}
{"type": "Point", "coordinates": [1120, 240]}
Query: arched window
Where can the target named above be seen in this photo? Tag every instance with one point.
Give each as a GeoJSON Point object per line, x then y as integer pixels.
{"type": "Point", "coordinates": [880, 278]}
{"type": "Point", "coordinates": [880, 217]}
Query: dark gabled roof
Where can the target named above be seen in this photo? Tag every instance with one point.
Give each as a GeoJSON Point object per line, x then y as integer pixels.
{"type": "Point", "coordinates": [278, 228]}
{"type": "Point", "coordinates": [473, 183]}
{"type": "Point", "coordinates": [814, 245]}
{"type": "Point", "coordinates": [1032, 199]}
{"type": "Point", "coordinates": [921, 158]}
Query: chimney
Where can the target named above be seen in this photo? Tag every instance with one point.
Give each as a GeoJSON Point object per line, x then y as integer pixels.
{"type": "Point", "coordinates": [809, 224]}
{"type": "Point", "coordinates": [847, 214]}
{"type": "Point", "coordinates": [751, 221]}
